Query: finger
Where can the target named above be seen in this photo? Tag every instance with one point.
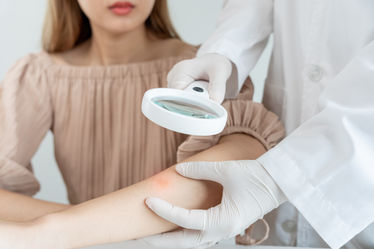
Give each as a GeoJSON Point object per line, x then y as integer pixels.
{"type": "Point", "coordinates": [218, 77]}
{"type": "Point", "coordinates": [178, 239]}
{"type": "Point", "coordinates": [217, 83]}
{"type": "Point", "coordinates": [201, 170]}
{"type": "Point", "coordinates": [181, 75]}
{"type": "Point", "coordinates": [217, 89]}
{"type": "Point", "coordinates": [181, 81]}
{"type": "Point", "coordinates": [190, 219]}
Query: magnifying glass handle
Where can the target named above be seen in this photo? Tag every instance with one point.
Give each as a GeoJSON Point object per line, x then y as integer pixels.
{"type": "Point", "coordinates": [199, 87]}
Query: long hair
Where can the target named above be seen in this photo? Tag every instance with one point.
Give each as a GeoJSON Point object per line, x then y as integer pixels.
{"type": "Point", "coordinates": [66, 26]}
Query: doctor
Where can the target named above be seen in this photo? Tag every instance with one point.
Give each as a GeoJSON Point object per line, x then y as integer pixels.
{"type": "Point", "coordinates": [321, 84]}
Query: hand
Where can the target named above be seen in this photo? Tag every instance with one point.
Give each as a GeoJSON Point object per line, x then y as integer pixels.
{"type": "Point", "coordinates": [214, 68]}
{"type": "Point", "coordinates": [249, 193]}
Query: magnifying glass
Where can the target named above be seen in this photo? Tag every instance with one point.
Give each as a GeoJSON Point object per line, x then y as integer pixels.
{"type": "Point", "coordinates": [188, 111]}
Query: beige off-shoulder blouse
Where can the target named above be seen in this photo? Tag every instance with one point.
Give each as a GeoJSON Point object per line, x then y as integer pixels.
{"type": "Point", "coordinates": [102, 140]}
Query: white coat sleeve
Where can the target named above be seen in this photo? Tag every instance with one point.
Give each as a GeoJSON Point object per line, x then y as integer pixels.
{"type": "Point", "coordinates": [241, 35]}
{"type": "Point", "coordinates": [326, 167]}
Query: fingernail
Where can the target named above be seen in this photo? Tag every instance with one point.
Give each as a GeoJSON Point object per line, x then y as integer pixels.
{"type": "Point", "coordinates": [148, 202]}
{"type": "Point", "coordinates": [179, 168]}
{"type": "Point", "coordinates": [180, 84]}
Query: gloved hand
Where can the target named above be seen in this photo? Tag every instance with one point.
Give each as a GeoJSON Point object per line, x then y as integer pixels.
{"type": "Point", "coordinates": [249, 192]}
{"type": "Point", "coordinates": [214, 68]}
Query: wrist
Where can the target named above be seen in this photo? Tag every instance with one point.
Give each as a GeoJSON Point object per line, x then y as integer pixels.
{"type": "Point", "coordinates": [47, 231]}
{"type": "Point", "coordinates": [34, 234]}
{"type": "Point", "coordinates": [272, 186]}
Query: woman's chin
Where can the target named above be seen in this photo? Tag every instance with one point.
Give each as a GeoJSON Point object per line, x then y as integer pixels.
{"type": "Point", "coordinates": [120, 27]}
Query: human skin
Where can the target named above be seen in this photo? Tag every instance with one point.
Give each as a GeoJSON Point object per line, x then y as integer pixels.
{"type": "Point", "coordinates": [123, 215]}
{"type": "Point", "coordinates": [115, 41]}
{"type": "Point", "coordinates": [19, 208]}
{"type": "Point", "coordinates": [119, 40]}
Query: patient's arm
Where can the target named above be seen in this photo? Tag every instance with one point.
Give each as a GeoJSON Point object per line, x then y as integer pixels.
{"type": "Point", "coordinates": [17, 207]}
{"type": "Point", "coordinates": [122, 215]}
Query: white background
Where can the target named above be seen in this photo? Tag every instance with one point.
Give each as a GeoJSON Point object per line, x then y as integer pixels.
{"type": "Point", "coordinates": [20, 33]}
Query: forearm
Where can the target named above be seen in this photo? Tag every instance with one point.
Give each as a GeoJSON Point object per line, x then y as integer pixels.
{"type": "Point", "coordinates": [19, 208]}
{"type": "Point", "coordinates": [122, 215]}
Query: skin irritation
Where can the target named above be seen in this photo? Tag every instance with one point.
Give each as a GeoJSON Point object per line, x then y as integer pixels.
{"type": "Point", "coordinates": [162, 182]}
{"type": "Point", "coordinates": [163, 185]}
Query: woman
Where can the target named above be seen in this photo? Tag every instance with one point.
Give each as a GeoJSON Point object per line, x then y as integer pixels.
{"type": "Point", "coordinates": [100, 57]}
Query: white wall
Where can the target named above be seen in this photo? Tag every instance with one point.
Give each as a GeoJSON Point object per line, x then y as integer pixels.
{"type": "Point", "coordinates": [20, 32]}
{"type": "Point", "coordinates": [20, 29]}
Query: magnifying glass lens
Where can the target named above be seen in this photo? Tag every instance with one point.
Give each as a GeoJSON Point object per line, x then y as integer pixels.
{"type": "Point", "coordinates": [186, 109]}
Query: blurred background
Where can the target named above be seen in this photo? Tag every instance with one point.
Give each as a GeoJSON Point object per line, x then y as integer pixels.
{"type": "Point", "coordinates": [21, 24]}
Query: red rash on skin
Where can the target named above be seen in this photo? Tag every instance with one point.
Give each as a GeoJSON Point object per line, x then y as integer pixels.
{"type": "Point", "coordinates": [162, 181]}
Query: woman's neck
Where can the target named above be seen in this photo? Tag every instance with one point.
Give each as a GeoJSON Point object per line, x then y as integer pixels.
{"type": "Point", "coordinates": [105, 49]}
{"type": "Point", "coordinates": [109, 49]}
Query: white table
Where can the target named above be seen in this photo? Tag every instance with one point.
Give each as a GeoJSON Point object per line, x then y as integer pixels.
{"type": "Point", "coordinates": [141, 245]}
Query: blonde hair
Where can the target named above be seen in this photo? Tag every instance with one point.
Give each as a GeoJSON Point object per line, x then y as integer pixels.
{"type": "Point", "coordinates": [66, 26]}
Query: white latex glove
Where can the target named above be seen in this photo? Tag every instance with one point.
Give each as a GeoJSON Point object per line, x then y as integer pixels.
{"type": "Point", "coordinates": [214, 68]}
{"type": "Point", "coordinates": [249, 193]}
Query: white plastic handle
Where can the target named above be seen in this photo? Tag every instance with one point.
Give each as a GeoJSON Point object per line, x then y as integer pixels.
{"type": "Point", "coordinates": [199, 87]}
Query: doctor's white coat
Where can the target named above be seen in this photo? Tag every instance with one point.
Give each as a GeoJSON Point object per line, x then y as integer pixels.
{"type": "Point", "coordinates": [321, 84]}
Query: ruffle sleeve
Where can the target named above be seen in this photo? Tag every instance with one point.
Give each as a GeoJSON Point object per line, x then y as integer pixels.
{"type": "Point", "coordinates": [17, 178]}
{"type": "Point", "coordinates": [244, 116]}
{"type": "Point", "coordinates": [25, 118]}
